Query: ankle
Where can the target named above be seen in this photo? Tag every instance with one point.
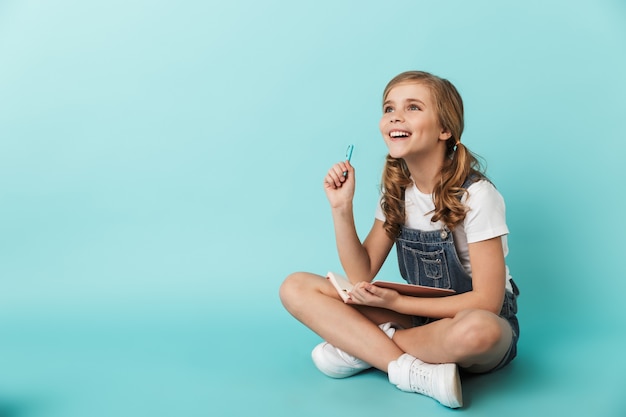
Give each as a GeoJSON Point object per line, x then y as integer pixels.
{"type": "Point", "coordinates": [395, 370]}
{"type": "Point", "coordinates": [438, 381]}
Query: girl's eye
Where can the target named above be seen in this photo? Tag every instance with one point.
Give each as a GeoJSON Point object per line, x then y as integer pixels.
{"type": "Point", "coordinates": [413, 107]}
{"type": "Point", "coordinates": [388, 109]}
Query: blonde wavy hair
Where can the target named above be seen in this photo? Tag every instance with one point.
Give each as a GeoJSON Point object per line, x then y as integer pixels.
{"type": "Point", "coordinates": [459, 164]}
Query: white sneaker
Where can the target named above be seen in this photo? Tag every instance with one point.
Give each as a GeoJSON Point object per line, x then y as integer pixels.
{"type": "Point", "coordinates": [336, 363]}
{"type": "Point", "coordinates": [441, 382]}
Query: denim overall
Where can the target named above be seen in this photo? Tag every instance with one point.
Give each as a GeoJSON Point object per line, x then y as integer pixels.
{"type": "Point", "coordinates": [429, 258]}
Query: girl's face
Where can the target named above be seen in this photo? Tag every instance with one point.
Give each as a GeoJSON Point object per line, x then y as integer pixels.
{"type": "Point", "coordinates": [410, 124]}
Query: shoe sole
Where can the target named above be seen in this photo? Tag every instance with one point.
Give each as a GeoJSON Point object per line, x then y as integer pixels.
{"type": "Point", "coordinates": [318, 358]}
{"type": "Point", "coordinates": [454, 397]}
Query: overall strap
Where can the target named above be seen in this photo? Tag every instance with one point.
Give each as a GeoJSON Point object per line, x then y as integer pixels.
{"type": "Point", "coordinates": [471, 179]}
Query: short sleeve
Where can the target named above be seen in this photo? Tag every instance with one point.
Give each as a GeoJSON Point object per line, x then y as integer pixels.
{"type": "Point", "coordinates": [486, 216]}
{"type": "Point", "coordinates": [379, 210]}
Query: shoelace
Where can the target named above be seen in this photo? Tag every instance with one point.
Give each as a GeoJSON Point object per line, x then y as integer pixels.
{"type": "Point", "coordinates": [421, 378]}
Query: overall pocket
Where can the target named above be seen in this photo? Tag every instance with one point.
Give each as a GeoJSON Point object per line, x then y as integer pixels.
{"type": "Point", "coordinates": [425, 267]}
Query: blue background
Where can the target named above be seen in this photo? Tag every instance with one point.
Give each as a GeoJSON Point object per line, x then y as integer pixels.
{"type": "Point", "coordinates": [160, 174]}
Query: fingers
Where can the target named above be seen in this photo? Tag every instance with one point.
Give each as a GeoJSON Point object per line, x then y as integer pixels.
{"type": "Point", "coordinates": [366, 293]}
{"type": "Point", "coordinates": [362, 292]}
{"type": "Point", "coordinates": [339, 174]}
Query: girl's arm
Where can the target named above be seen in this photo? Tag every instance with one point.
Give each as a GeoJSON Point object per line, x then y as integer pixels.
{"type": "Point", "coordinates": [488, 281]}
{"type": "Point", "coordinates": [360, 261]}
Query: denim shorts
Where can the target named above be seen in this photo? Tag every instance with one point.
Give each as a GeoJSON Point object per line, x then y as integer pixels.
{"type": "Point", "coordinates": [508, 312]}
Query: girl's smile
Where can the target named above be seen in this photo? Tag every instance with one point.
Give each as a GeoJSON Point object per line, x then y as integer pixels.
{"type": "Point", "coordinates": [410, 125]}
{"type": "Point", "coordinates": [399, 134]}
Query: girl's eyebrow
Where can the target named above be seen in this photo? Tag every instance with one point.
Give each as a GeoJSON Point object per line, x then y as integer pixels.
{"type": "Point", "coordinates": [408, 100]}
{"type": "Point", "coordinates": [415, 100]}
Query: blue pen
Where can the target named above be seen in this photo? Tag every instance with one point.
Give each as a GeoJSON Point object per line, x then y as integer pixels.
{"type": "Point", "coordinates": [348, 156]}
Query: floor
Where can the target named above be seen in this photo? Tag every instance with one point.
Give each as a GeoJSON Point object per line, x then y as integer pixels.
{"type": "Point", "coordinates": [199, 363]}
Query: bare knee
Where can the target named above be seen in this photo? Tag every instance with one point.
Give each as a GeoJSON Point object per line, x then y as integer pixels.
{"type": "Point", "coordinates": [289, 288]}
{"type": "Point", "coordinates": [475, 332]}
{"type": "Point", "coordinates": [295, 288]}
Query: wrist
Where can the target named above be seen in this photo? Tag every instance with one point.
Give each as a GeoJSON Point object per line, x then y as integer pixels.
{"type": "Point", "coordinates": [341, 210]}
{"type": "Point", "coordinates": [398, 304]}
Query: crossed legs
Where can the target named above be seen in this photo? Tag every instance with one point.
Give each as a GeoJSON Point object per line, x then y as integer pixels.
{"type": "Point", "coordinates": [476, 340]}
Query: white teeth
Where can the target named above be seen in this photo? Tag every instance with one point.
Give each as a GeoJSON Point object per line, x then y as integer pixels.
{"type": "Point", "coordinates": [397, 134]}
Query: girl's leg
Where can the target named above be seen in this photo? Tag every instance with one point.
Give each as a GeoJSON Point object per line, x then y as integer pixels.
{"type": "Point", "coordinates": [476, 340]}
{"type": "Point", "coordinates": [314, 301]}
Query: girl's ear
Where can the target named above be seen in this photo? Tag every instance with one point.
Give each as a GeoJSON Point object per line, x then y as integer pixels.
{"type": "Point", "coordinates": [445, 135]}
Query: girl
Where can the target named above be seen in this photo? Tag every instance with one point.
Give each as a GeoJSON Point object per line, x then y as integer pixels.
{"type": "Point", "coordinates": [448, 224]}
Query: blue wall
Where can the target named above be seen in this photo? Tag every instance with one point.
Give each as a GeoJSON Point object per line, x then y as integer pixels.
{"type": "Point", "coordinates": [163, 158]}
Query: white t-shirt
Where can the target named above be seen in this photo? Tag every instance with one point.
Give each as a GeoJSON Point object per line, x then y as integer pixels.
{"type": "Point", "coordinates": [485, 218]}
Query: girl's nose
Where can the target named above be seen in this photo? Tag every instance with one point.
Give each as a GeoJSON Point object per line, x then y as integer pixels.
{"type": "Point", "coordinates": [395, 117]}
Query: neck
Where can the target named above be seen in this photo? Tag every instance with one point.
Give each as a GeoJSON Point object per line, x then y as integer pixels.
{"type": "Point", "coordinates": [426, 172]}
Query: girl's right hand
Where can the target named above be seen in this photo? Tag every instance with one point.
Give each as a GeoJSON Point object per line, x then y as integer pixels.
{"type": "Point", "coordinates": [339, 188]}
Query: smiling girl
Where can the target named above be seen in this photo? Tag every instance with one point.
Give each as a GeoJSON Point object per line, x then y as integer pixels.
{"type": "Point", "coordinates": [448, 224]}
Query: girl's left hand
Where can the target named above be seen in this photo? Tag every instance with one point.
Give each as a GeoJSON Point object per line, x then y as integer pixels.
{"type": "Point", "coordinates": [367, 294]}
